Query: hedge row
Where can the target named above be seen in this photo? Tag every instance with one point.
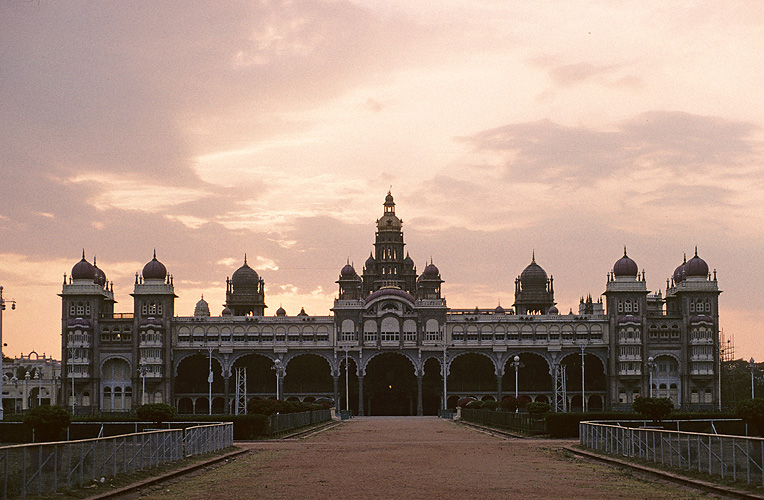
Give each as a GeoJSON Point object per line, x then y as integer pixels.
{"type": "Point", "coordinates": [565, 425]}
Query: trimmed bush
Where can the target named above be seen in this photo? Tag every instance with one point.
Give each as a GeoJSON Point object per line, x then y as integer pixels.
{"type": "Point", "coordinates": [490, 405]}
{"type": "Point", "coordinates": [538, 408]}
{"type": "Point", "coordinates": [155, 412]}
{"type": "Point", "coordinates": [752, 412]}
{"type": "Point", "coordinates": [565, 425]}
{"type": "Point", "coordinates": [47, 421]}
{"type": "Point", "coordinates": [653, 408]}
{"type": "Point", "coordinates": [509, 403]}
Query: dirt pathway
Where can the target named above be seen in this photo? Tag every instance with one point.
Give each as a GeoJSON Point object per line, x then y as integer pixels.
{"type": "Point", "coordinates": [405, 457]}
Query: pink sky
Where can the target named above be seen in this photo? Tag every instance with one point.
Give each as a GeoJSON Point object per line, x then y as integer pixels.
{"type": "Point", "coordinates": [207, 130]}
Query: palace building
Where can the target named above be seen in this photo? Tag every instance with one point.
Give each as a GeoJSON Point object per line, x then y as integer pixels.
{"type": "Point", "coordinates": [390, 337]}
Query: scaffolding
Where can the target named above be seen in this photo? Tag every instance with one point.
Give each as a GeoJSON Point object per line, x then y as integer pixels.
{"type": "Point", "coordinates": [726, 347]}
{"type": "Point", "coordinates": [560, 389]}
{"type": "Point", "coordinates": [241, 391]}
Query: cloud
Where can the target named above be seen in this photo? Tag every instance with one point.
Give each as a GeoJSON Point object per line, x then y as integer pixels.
{"type": "Point", "coordinates": [663, 142]}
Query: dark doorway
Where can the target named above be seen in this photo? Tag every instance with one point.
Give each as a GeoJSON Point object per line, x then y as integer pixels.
{"type": "Point", "coordinates": [390, 386]}
{"type": "Point", "coordinates": [308, 374]}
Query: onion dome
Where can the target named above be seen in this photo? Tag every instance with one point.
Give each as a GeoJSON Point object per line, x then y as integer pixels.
{"type": "Point", "coordinates": [389, 221]}
{"type": "Point", "coordinates": [553, 310]}
{"type": "Point", "coordinates": [625, 267]}
{"type": "Point", "coordinates": [696, 267]}
{"type": "Point", "coordinates": [533, 275]}
{"type": "Point", "coordinates": [371, 264]}
{"type": "Point", "coordinates": [348, 271]}
{"type": "Point", "coordinates": [83, 270]}
{"type": "Point", "coordinates": [227, 312]}
{"type": "Point", "coordinates": [499, 310]}
{"type": "Point", "coordinates": [408, 262]}
{"type": "Point", "coordinates": [202, 308]}
{"type": "Point", "coordinates": [100, 276]}
{"type": "Point", "coordinates": [154, 270]}
{"type": "Point", "coordinates": [244, 277]}
{"type": "Point", "coordinates": [302, 312]}
{"type": "Point", "coordinates": [680, 271]}
{"type": "Point", "coordinates": [431, 270]}
{"type": "Point", "coordinates": [385, 292]}
{"type": "Point", "coordinates": [280, 312]}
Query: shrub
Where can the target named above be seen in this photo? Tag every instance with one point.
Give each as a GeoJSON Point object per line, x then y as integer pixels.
{"type": "Point", "coordinates": [475, 405]}
{"type": "Point", "coordinates": [264, 406]}
{"type": "Point", "coordinates": [538, 407]}
{"type": "Point", "coordinates": [522, 401]}
{"type": "Point", "coordinates": [565, 425]}
{"type": "Point", "coordinates": [509, 403]}
{"type": "Point", "coordinates": [48, 421]}
{"type": "Point", "coordinates": [654, 408]}
{"type": "Point", "coordinates": [156, 412]}
{"type": "Point", "coordinates": [490, 405]}
{"type": "Point", "coordinates": [463, 402]}
{"type": "Point", "coordinates": [752, 412]}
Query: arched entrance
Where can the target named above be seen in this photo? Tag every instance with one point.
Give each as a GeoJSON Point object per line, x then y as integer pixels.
{"type": "Point", "coordinates": [390, 386]}
{"type": "Point", "coordinates": [308, 375]}
{"type": "Point", "coordinates": [472, 374]}
{"type": "Point", "coordinates": [261, 378]}
{"type": "Point", "coordinates": [192, 381]}
{"type": "Point", "coordinates": [533, 376]}
{"type": "Point", "coordinates": [593, 379]}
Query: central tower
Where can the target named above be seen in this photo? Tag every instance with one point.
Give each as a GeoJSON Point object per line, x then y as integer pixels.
{"type": "Point", "coordinates": [388, 267]}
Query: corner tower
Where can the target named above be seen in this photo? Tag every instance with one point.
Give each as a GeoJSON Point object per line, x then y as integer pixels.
{"type": "Point", "coordinates": [245, 292]}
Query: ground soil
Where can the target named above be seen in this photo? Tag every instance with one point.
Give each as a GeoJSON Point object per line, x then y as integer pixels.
{"type": "Point", "coordinates": [411, 457]}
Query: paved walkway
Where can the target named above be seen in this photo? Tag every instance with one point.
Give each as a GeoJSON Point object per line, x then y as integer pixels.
{"type": "Point", "coordinates": [408, 457]}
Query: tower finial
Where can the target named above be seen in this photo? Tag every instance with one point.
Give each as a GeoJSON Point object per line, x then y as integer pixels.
{"type": "Point", "coordinates": [685, 258]}
{"type": "Point", "coordinates": [155, 253]}
{"type": "Point", "coordinates": [83, 254]}
{"type": "Point", "coordinates": [624, 250]}
{"type": "Point", "coordinates": [95, 265]}
{"type": "Point", "coordinates": [245, 258]}
{"type": "Point", "coordinates": [533, 256]}
{"type": "Point", "coordinates": [696, 250]}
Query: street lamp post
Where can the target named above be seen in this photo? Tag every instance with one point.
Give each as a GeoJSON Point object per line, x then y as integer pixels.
{"type": "Point", "coordinates": [650, 369]}
{"type": "Point", "coordinates": [2, 308]}
{"type": "Point", "coordinates": [276, 367]}
{"type": "Point", "coordinates": [751, 366]}
{"type": "Point", "coordinates": [347, 387]}
{"type": "Point", "coordinates": [445, 373]}
{"type": "Point", "coordinates": [583, 377]}
{"type": "Point", "coordinates": [517, 364]}
{"type": "Point", "coordinates": [209, 379]}
{"type": "Point", "coordinates": [143, 368]}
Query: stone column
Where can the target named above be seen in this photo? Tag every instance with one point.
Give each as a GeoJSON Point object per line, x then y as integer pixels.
{"type": "Point", "coordinates": [360, 396]}
{"type": "Point", "coordinates": [25, 393]}
{"type": "Point", "coordinates": [419, 409]}
{"type": "Point", "coordinates": [498, 387]}
{"type": "Point", "coordinates": [337, 404]}
{"type": "Point", "coordinates": [226, 393]}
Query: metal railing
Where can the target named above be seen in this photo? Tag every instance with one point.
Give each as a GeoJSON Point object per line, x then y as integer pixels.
{"type": "Point", "coordinates": [283, 422]}
{"type": "Point", "coordinates": [448, 413]}
{"type": "Point", "coordinates": [521, 422]}
{"type": "Point", "coordinates": [729, 457]}
{"type": "Point", "coordinates": [35, 469]}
